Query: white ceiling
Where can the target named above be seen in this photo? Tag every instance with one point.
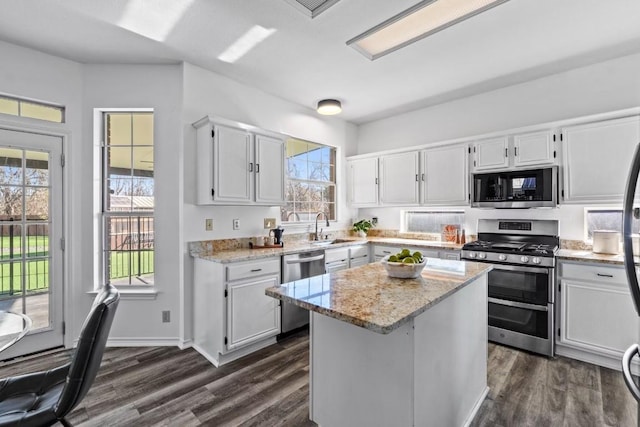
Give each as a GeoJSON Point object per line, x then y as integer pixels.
{"type": "Point", "coordinates": [306, 59]}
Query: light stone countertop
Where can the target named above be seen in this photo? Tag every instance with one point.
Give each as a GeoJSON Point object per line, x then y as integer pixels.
{"type": "Point", "coordinates": [366, 297]}
{"type": "Point", "coordinates": [588, 256]}
{"type": "Point", "coordinates": [246, 254]}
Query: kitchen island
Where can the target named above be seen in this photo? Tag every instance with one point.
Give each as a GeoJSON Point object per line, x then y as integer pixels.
{"type": "Point", "coordinates": [401, 352]}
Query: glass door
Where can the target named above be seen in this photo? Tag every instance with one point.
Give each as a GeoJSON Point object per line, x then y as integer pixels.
{"type": "Point", "coordinates": [31, 236]}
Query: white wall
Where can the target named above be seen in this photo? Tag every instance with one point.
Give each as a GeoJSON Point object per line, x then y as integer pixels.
{"type": "Point", "coordinates": [31, 74]}
{"type": "Point", "coordinates": [141, 86]}
{"type": "Point", "coordinates": [600, 88]}
{"type": "Point", "coordinates": [207, 93]}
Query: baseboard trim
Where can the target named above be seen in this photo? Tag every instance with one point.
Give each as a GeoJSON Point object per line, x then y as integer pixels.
{"type": "Point", "coordinates": [142, 342]}
{"type": "Point", "coordinates": [610, 362]}
{"type": "Point", "coordinates": [185, 344]}
{"type": "Point", "coordinates": [476, 407]}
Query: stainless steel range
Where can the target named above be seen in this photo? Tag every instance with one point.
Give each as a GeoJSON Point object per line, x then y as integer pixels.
{"type": "Point", "coordinates": [522, 282]}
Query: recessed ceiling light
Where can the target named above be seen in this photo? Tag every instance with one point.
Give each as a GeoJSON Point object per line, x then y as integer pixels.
{"type": "Point", "coordinates": [415, 23]}
{"type": "Point", "coordinates": [245, 43]}
{"type": "Point", "coordinates": [329, 107]}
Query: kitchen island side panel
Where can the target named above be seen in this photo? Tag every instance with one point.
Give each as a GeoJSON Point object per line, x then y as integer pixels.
{"type": "Point", "coordinates": [431, 371]}
{"type": "Point", "coordinates": [451, 350]}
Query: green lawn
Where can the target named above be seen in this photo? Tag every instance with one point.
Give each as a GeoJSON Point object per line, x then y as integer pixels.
{"type": "Point", "coordinates": [122, 264]}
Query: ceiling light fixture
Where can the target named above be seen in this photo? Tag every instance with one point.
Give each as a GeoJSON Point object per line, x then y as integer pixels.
{"type": "Point", "coordinates": [419, 21]}
{"type": "Point", "coordinates": [329, 107]}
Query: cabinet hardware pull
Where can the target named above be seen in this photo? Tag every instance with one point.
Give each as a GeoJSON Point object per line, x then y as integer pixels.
{"type": "Point", "coordinates": [257, 167]}
{"type": "Point", "coordinates": [255, 270]}
{"type": "Point", "coordinates": [417, 179]}
{"type": "Point", "coordinates": [376, 181]}
{"type": "Point", "coordinates": [250, 167]}
{"type": "Point", "coordinates": [386, 252]}
{"type": "Point", "coordinates": [515, 151]}
{"type": "Point", "coordinates": [506, 152]}
{"type": "Point", "coordinates": [423, 177]}
{"type": "Point", "coordinates": [604, 275]}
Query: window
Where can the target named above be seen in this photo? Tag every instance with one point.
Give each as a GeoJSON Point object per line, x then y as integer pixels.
{"type": "Point", "coordinates": [432, 221]}
{"type": "Point", "coordinates": [128, 198]}
{"type": "Point", "coordinates": [31, 109]}
{"type": "Point", "coordinates": [311, 181]}
{"type": "Point", "coordinates": [606, 219]}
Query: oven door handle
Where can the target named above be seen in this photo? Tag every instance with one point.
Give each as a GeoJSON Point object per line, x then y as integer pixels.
{"type": "Point", "coordinates": [519, 304]}
{"type": "Point", "coordinates": [520, 268]}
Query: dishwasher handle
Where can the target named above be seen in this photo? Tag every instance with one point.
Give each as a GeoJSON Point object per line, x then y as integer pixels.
{"type": "Point", "coordinates": [305, 260]}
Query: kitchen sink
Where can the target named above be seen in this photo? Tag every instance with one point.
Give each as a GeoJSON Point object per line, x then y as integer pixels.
{"type": "Point", "coordinates": [330, 242]}
{"type": "Point", "coordinates": [323, 242]}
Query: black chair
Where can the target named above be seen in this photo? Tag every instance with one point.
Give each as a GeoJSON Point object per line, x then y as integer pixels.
{"type": "Point", "coordinates": [44, 398]}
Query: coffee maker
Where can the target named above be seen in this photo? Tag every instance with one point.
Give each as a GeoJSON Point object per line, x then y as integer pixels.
{"type": "Point", "coordinates": [277, 235]}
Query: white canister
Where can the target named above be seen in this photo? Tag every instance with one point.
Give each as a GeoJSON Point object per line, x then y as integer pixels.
{"type": "Point", "coordinates": [606, 242]}
{"type": "Point", "coordinates": [635, 241]}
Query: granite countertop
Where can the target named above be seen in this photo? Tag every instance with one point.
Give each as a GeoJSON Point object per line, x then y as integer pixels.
{"type": "Point", "coordinates": [366, 297]}
{"type": "Point", "coordinates": [589, 256]}
{"type": "Point", "coordinates": [245, 254]}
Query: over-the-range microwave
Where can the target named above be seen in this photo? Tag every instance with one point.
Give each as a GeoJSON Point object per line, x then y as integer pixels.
{"type": "Point", "coordinates": [531, 188]}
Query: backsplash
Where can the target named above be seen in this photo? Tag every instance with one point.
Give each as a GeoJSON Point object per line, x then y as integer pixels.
{"type": "Point", "coordinates": [213, 246]}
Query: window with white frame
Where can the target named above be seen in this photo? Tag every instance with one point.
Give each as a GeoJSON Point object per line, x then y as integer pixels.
{"type": "Point", "coordinates": [311, 181]}
{"type": "Point", "coordinates": [431, 221]}
{"type": "Point", "coordinates": [606, 219]}
{"type": "Point", "coordinates": [31, 109]}
{"type": "Point", "coordinates": [128, 198]}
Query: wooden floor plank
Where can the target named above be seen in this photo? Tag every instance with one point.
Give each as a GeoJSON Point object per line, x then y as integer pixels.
{"type": "Point", "coordinates": [160, 386]}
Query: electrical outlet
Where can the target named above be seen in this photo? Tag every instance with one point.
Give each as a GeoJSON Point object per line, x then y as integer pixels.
{"type": "Point", "coordinates": [236, 224]}
{"type": "Point", "coordinates": [208, 224]}
{"type": "Point", "coordinates": [269, 223]}
{"type": "Point", "coordinates": [166, 316]}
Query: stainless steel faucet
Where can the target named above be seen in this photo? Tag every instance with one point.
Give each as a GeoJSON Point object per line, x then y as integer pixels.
{"type": "Point", "coordinates": [326, 217]}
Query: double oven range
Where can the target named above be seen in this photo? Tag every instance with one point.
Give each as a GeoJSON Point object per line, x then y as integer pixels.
{"type": "Point", "coordinates": [522, 282]}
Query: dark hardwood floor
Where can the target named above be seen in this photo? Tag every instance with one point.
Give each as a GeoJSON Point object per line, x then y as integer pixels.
{"type": "Point", "coordinates": [164, 386]}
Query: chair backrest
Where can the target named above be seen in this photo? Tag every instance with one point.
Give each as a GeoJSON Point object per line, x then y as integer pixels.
{"type": "Point", "coordinates": [88, 353]}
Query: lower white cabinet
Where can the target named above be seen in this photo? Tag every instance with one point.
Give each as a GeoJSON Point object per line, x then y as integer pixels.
{"type": "Point", "coordinates": [597, 320]}
{"type": "Point", "coordinates": [336, 259]}
{"type": "Point", "coordinates": [232, 315]}
{"type": "Point", "coordinates": [358, 255]}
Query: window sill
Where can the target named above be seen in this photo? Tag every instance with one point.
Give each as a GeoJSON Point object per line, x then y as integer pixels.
{"type": "Point", "coordinates": [132, 294]}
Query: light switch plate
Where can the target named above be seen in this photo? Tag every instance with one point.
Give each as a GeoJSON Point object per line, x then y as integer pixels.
{"type": "Point", "coordinates": [269, 223]}
{"type": "Point", "coordinates": [208, 224]}
{"type": "Point", "coordinates": [236, 224]}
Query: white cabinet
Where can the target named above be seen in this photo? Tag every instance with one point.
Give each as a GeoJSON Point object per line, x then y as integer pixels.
{"type": "Point", "coordinates": [238, 165]}
{"type": "Point", "coordinates": [491, 153]}
{"type": "Point", "coordinates": [363, 181]}
{"type": "Point", "coordinates": [597, 320]}
{"type": "Point", "coordinates": [269, 170]}
{"type": "Point", "coordinates": [444, 176]}
{"type": "Point", "coordinates": [525, 150]}
{"type": "Point", "coordinates": [336, 259]}
{"type": "Point", "coordinates": [597, 157]}
{"type": "Point", "coordinates": [381, 251]}
{"type": "Point", "coordinates": [399, 179]}
{"type": "Point", "coordinates": [358, 255]}
{"type": "Point", "coordinates": [534, 149]}
{"type": "Point", "coordinates": [232, 314]}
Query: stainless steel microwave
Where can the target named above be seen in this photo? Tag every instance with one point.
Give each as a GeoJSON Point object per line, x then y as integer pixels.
{"type": "Point", "coordinates": [531, 188]}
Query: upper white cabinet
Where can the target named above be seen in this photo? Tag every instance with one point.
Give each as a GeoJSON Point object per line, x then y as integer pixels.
{"type": "Point", "coordinates": [597, 159]}
{"type": "Point", "coordinates": [516, 151]}
{"type": "Point", "coordinates": [491, 153]}
{"type": "Point", "coordinates": [399, 178]}
{"type": "Point", "coordinates": [269, 170]}
{"type": "Point", "coordinates": [363, 181]}
{"type": "Point", "coordinates": [444, 176]}
{"type": "Point", "coordinates": [532, 149]}
{"type": "Point", "coordinates": [236, 166]}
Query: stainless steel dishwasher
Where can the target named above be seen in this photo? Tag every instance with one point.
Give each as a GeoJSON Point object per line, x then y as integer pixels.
{"type": "Point", "coordinates": [296, 267]}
